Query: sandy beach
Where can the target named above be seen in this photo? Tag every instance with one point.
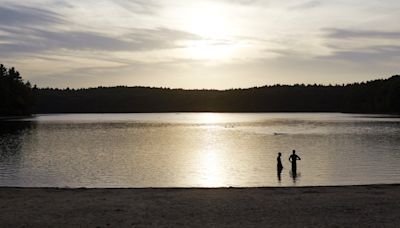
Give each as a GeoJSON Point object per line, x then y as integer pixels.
{"type": "Point", "coordinates": [351, 206]}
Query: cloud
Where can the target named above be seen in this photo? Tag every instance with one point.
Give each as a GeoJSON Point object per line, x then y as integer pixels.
{"type": "Point", "coordinates": [306, 5]}
{"type": "Point", "coordinates": [246, 2]}
{"type": "Point", "coordinates": [368, 55]}
{"type": "Point", "coordinates": [145, 42]}
{"type": "Point", "coordinates": [243, 1]}
{"type": "Point", "coordinates": [139, 6]}
{"type": "Point", "coordinates": [31, 30]}
{"type": "Point", "coordinates": [22, 15]}
{"type": "Point", "coordinates": [346, 34]}
{"type": "Point", "coordinates": [350, 45]}
{"type": "Point", "coordinates": [29, 40]}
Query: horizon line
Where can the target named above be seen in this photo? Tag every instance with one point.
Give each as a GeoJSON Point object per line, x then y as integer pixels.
{"type": "Point", "coordinates": [213, 89]}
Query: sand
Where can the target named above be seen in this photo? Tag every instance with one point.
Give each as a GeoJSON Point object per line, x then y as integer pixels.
{"type": "Point", "coordinates": [351, 206]}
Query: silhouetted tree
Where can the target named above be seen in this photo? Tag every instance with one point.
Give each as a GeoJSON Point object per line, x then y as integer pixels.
{"type": "Point", "coordinates": [16, 96]}
{"type": "Point", "coordinates": [378, 96]}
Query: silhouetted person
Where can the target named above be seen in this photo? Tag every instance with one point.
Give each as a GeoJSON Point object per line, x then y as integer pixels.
{"type": "Point", "coordinates": [279, 165]}
{"type": "Point", "coordinates": [293, 159]}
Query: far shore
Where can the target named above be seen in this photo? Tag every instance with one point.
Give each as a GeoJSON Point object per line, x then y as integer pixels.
{"type": "Point", "coordinates": [16, 117]}
{"type": "Point", "coordinates": [338, 206]}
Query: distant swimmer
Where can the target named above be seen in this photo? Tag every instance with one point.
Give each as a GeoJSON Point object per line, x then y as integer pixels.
{"type": "Point", "coordinates": [293, 159]}
{"type": "Point", "coordinates": [279, 165]}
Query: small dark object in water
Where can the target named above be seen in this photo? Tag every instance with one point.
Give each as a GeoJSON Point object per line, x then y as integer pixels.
{"type": "Point", "coordinates": [279, 165]}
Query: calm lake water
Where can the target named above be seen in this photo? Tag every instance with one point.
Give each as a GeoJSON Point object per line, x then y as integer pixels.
{"type": "Point", "coordinates": [198, 150]}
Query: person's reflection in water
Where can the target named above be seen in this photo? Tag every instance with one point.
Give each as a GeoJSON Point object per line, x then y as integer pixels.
{"type": "Point", "coordinates": [293, 159]}
{"type": "Point", "coordinates": [279, 166]}
{"type": "Point", "coordinates": [293, 174]}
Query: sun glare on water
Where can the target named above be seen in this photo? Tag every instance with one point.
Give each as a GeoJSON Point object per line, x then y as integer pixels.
{"type": "Point", "coordinates": [209, 118]}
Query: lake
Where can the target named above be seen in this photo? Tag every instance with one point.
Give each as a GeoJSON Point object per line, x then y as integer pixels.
{"type": "Point", "coordinates": [198, 150]}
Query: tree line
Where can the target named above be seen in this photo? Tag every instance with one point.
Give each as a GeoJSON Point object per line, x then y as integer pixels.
{"type": "Point", "coordinates": [16, 97]}
{"type": "Point", "coordinates": [378, 96]}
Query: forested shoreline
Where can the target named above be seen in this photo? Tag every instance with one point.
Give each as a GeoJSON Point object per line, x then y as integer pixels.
{"type": "Point", "coordinates": [18, 98]}
{"type": "Point", "coordinates": [378, 96]}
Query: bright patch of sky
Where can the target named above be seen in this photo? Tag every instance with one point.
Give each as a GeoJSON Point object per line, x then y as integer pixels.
{"type": "Point", "coordinates": [199, 43]}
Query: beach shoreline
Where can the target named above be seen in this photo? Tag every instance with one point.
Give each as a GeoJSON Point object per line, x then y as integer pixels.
{"type": "Point", "coordinates": [322, 206]}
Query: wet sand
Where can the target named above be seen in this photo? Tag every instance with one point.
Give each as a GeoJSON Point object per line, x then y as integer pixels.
{"type": "Point", "coordinates": [351, 206]}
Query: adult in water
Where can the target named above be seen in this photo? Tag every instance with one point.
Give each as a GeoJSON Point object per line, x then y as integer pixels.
{"type": "Point", "coordinates": [293, 159]}
{"type": "Point", "coordinates": [279, 165]}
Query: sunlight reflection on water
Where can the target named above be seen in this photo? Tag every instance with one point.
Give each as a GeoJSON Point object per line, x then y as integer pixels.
{"type": "Point", "coordinates": [198, 150]}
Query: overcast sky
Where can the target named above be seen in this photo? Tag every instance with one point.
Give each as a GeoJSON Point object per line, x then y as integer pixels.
{"type": "Point", "coordinates": [198, 43]}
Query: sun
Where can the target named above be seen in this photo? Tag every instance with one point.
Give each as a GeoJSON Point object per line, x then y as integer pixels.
{"type": "Point", "coordinates": [210, 22]}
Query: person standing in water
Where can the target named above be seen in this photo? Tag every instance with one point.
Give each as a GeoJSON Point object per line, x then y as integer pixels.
{"type": "Point", "coordinates": [293, 159]}
{"type": "Point", "coordinates": [279, 165]}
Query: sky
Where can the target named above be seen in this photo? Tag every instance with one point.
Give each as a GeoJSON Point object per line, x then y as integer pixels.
{"type": "Point", "coordinates": [217, 44]}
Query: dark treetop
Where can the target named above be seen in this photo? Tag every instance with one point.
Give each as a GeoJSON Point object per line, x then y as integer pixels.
{"type": "Point", "coordinates": [15, 95]}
